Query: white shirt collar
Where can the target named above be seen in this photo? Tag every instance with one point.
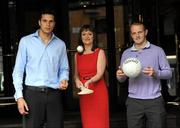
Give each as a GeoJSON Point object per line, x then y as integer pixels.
{"type": "Point", "coordinates": [133, 48]}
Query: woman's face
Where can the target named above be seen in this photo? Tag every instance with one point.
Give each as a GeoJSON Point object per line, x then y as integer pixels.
{"type": "Point", "coordinates": [87, 37]}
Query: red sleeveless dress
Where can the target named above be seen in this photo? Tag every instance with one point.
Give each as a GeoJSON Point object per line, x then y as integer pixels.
{"type": "Point", "coordinates": [94, 107]}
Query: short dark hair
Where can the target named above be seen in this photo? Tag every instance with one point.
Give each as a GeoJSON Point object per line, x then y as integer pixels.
{"type": "Point", "coordinates": [47, 10]}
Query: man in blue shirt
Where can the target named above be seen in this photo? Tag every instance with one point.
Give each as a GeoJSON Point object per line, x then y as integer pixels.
{"type": "Point", "coordinates": [42, 57]}
{"type": "Point", "coordinates": [145, 104]}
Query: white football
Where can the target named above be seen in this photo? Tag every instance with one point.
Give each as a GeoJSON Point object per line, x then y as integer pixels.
{"type": "Point", "coordinates": [80, 49]}
{"type": "Point", "coordinates": [131, 67]}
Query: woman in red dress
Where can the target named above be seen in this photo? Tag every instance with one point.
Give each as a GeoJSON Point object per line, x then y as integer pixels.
{"type": "Point", "coordinates": [90, 67]}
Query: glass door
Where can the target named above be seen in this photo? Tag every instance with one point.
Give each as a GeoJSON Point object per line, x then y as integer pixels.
{"type": "Point", "coordinates": [95, 16]}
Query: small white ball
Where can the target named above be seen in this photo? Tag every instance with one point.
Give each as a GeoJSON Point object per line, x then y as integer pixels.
{"type": "Point", "coordinates": [80, 49]}
{"type": "Point", "coordinates": [131, 67]}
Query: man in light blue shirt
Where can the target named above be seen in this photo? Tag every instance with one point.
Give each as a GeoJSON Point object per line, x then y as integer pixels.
{"type": "Point", "coordinates": [42, 59]}
{"type": "Point", "coordinates": [145, 102]}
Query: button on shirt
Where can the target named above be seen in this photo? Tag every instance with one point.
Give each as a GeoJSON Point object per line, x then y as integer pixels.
{"type": "Point", "coordinates": [143, 86]}
{"type": "Point", "coordinates": [44, 65]}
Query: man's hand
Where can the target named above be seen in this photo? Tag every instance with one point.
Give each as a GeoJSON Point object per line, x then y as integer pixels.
{"type": "Point", "coordinates": [22, 106]}
{"type": "Point", "coordinates": [120, 73]}
{"type": "Point", "coordinates": [63, 85]}
{"type": "Point", "coordinates": [149, 71]}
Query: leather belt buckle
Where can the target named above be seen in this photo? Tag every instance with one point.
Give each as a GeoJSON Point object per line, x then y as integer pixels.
{"type": "Point", "coordinates": [43, 89]}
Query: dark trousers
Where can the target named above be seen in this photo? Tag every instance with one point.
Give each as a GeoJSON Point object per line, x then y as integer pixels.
{"type": "Point", "coordinates": [45, 108]}
{"type": "Point", "coordinates": [148, 113]}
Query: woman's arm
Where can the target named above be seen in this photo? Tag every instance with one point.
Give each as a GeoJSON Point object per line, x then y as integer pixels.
{"type": "Point", "coordinates": [76, 76]}
{"type": "Point", "coordinates": [101, 66]}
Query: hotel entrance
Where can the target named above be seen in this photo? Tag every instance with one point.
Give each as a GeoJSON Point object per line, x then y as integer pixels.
{"type": "Point", "coordinates": [96, 15]}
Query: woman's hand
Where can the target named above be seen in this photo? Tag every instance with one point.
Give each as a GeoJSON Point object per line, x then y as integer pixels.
{"type": "Point", "coordinates": [87, 83]}
{"type": "Point", "coordinates": [78, 83]}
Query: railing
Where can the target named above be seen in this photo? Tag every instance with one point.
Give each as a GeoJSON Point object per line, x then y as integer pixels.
{"type": "Point", "coordinates": [7, 101]}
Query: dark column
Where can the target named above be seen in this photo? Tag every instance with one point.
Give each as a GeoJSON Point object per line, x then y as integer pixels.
{"type": "Point", "coordinates": [62, 31]}
{"type": "Point", "coordinates": [62, 26]}
{"type": "Point", "coordinates": [127, 21]}
{"type": "Point", "coordinates": [178, 62]}
{"type": "Point", "coordinates": [177, 30]}
{"type": "Point", "coordinates": [20, 20]}
{"type": "Point", "coordinates": [111, 52]}
{"type": "Point", "coordinates": [6, 49]}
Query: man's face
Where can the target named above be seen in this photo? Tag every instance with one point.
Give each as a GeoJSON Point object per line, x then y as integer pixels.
{"type": "Point", "coordinates": [138, 34]}
{"type": "Point", "coordinates": [47, 23]}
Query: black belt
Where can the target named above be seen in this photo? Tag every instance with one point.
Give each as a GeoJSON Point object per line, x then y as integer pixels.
{"type": "Point", "coordinates": [41, 89]}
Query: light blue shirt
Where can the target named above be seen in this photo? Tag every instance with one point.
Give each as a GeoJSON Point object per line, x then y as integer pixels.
{"type": "Point", "coordinates": [143, 86]}
{"type": "Point", "coordinates": [44, 65]}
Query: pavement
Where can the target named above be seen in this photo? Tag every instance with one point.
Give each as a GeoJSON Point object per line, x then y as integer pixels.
{"type": "Point", "coordinates": [10, 118]}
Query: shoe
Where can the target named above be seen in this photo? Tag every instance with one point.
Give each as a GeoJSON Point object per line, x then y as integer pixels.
{"type": "Point", "coordinates": [84, 91]}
